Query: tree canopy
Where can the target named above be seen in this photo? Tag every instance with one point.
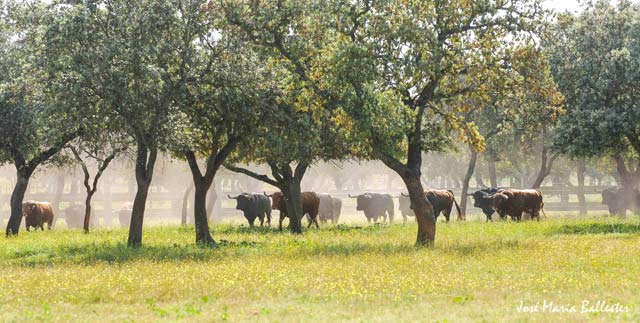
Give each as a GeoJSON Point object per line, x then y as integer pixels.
{"type": "Point", "coordinates": [595, 59]}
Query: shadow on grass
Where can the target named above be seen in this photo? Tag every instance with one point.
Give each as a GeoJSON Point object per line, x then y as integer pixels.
{"type": "Point", "coordinates": [597, 228]}
{"type": "Point", "coordinates": [119, 253]}
{"type": "Point", "coordinates": [340, 228]}
{"type": "Point", "coordinates": [482, 247]}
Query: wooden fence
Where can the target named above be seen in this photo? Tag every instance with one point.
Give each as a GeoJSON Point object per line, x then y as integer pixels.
{"type": "Point", "coordinates": [168, 206]}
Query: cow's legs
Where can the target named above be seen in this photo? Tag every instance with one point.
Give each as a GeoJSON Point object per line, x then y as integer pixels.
{"type": "Point", "coordinates": [488, 216]}
{"type": "Point", "coordinates": [281, 219]}
{"type": "Point", "coordinates": [404, 219]}
{"type": "Point", "coordinates": [269, 218]}
{"type": "Point", "coordinates": [518, 216]}
{"type": "Point", "coordinates": [446, 215]}
{"type": "Point", "coordinates": [261, 217]}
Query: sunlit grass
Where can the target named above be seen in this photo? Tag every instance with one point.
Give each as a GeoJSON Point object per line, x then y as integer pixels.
{"type": "Point", "coordinates": [476, 272]}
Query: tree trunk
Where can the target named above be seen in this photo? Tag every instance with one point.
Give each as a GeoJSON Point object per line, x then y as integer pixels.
{"type": "Point", "coordinates": [473, 157]}
{"type": "Point", "coordinates": [293, 195]}
{"type": "Point", "coordinates": [58, 195]}
{"type": "Point", "coordinates": [422, 209]}
{"type": "Point", "coordinates": [203, 236]}
{"type": "Point", "coordinates": [185, 204]}
{"type": "Point", "coordinates": [545, 168]}
{"type": "Point", "coordinates": [137, 214]}
{"type": "Point", "coordinates": [87, 212]}
{"type": "Point", "coordinates": [582, 203]}
{"type": "Point", "coordinates": [493, 178]}
{"type": "Point", "coordinates": [145, 163]}
{"type": "Point", "coordinates": [627, 178]}
{"type": "Point", "coordinates": [17, 197]}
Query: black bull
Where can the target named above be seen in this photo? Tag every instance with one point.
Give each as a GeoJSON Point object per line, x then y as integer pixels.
{"type": "Point", "coordinates": [619, 200]}
{"type": "Point", "coordinates": [375, 205]}
{"type": "Point", "coordinates": [254, 206]}
{"type": "Point", "coordinates": [442, 201]}
{"type": "Point", "coordinates": [483, 199]}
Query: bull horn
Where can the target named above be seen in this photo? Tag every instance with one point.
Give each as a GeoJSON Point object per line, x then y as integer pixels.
{"type": "Point", "coordinates": [353, 197]}
{"type": "Point", "coordinates": [267, 195]}
{"type": "Point", "coordinates": [231, 197]}
{"type": "Point", "coordinates": [405, 195]}
{"type": "Point", "coordinates": [469, 194]}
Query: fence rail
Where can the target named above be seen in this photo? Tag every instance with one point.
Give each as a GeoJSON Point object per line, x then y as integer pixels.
{"type": "Point", "coordinates": [168, 205]}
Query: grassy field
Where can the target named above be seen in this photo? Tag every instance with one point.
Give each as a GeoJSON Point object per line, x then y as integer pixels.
{"type": "Point", "coordinates": [477, 272]}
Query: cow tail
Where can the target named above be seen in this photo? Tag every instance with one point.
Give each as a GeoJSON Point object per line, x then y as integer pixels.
{"type": "Point", "coordinates": [542, 209]}
{"type": "Point", "coordinates": [457, 206]}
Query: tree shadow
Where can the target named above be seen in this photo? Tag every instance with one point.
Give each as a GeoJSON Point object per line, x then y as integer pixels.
{"type": "Point", "coordinates": [597, 228]}
{"type": "Point", "coordinates": [114, 253]}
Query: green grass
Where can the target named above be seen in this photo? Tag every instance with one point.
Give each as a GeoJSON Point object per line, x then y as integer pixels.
{"type": "Point", "coordinates": [477, 272]}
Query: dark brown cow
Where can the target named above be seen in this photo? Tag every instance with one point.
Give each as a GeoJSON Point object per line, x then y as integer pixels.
{"type": "Point", "coordinates": [36, 214]}
{"type": "Point", "coordinates": [74, 216]}
{"type": "Point", "coordinates": [124, 214]}
{"type": "Point", "coordinates": [619, 200]}
{"type": "Point", "coordinates": [515, 202]}
{"type": "Point", "coordinates": [441, 200]}
{"type": "Point", "coordinates": [310, 206]}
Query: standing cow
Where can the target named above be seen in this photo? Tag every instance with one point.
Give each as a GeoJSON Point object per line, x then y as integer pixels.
{"type": "Point", "coordinates": [124, 214]}
{"type": "Point", "coordinates": [330, 208]}
{"type": "Point", "coordinates": [515, 202]}
{"type": "Point", "coordinates": [336, 203]}
{"type": "Point", "coordinates": [483, 199]}
{"type": "Point", "coordinates": [442, 201]}
{"type": "Point", "coordinates": [404, 205]}
{"type": "Point", "coordinates": [36, 214]}
{"type": "Point", "coordinates": [619, 200]}
{"type": "Point", "coordinates": [310, 206]}
{"type": "Point", "coordinates": [254, 206]}
{"type": "Point", "coordinates": [375, 205]}
{"type": "Point", "coordinates": [74, 216]}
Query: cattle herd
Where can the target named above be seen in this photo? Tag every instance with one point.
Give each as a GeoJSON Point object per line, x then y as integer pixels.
{"type": "Point", "coordinates": [322, 208]}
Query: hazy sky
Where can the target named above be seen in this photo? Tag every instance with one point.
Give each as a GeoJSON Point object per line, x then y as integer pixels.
{"type": "Point", "coordinates": [562, 5]}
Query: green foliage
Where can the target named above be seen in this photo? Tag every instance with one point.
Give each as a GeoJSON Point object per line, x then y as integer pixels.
{"type": "Point", "coordinates": [34, 123]}
{"type": "Point", "coordinates": [392, 66]}
{"type": "Point", "coordinates": [595, 59]}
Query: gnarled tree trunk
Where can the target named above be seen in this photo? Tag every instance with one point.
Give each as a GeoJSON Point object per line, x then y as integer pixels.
{"type": "Point", "coordinates": [17, 197]}
{"type": "Point", "coordinates": [87, 212]}
{"type": "Point", "coordinates": [145, 163]}
{"type": "Point", "coordinates": [293, 199]}
{"type": "Point", "coordinates": [422, 209]}
{"type": "Point", "coordinates": [203, 236]}
{"type": "Point", "coordinates": [546, 164]}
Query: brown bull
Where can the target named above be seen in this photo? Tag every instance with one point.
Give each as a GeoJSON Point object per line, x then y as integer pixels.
{"type": "Point", "coordinates": [310, 206]}
{"type": "Point", "coordinates": [515, 202]}
{"type": "Point", "coordinates": [36, 214]}
{"type": "Point", "coordinates": [441, 200]}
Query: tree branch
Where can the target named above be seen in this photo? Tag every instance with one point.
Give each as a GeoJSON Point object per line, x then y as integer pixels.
{"type": "Point", "coordinates": [260, 177]}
